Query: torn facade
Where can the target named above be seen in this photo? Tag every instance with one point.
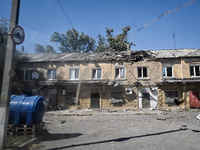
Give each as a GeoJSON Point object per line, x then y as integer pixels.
{"type": "Point", "coordinates": [140, 79]}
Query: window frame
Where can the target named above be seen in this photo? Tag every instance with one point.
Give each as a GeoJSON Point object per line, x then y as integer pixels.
{"type": "Point", "coordinates": [166, 76]}
{"type": "Point", "coordinates": [194, 70]}
{"type": "Point", "coordinates": [52, 74]}
{"type": "Point", "coordinates": [114, 99]}
{"type": "Point", "coordinates": [124, 74]}
{"type": "Point", "coordinates": [74, 68]}
{"type": "Point", "coordinates": [96, 74]}
{"type": "Point", "coordinates": [142, 72]}
{"type": "Point", "coordinates": [170, 94]}
{"type": "Point", "coordinates": [29, 75]}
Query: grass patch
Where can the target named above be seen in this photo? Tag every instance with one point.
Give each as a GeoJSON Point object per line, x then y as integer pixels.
{"type": "Point", "coordinates": [36, 146]}
{"type": "Point", "coordinates": [15, 141]}
{"type": "Point", "coordinates": [138, 114]}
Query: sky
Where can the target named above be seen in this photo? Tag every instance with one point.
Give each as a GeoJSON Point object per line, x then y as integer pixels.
{"type": "Point", "coordinates": [41, 18]}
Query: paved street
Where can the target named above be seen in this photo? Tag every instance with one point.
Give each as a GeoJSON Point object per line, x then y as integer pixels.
{"type": "Point", "coordinates": [122, 130]}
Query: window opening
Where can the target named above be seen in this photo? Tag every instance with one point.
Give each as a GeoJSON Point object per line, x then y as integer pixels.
{"type": "Point", "coordinates": [119, 72]}
{"type": "Point", "coordinates": [52, 74]}
{"type": "Point", "coordinates": [96, 74]}
{"type": "Point", "coordinates": [74, 74]}
{"type": "Point", "coordinates": [142, 72]}
{"type": "Point", "coordinates": [167, 71]}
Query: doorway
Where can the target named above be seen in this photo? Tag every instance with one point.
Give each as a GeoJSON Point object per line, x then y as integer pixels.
{"type": "Point", "coordinates": [52, 101]}
{"type": "Point", "coordinates": [94, 100]}
{"type": "Point", "coordinates": [194, 99]}
{"type": "Point", "coordinates": [145, 100]}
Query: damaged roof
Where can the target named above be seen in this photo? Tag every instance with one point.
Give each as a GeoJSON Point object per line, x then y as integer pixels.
{"type": "Point", "coordinates": [175, 53]}
{"type": "Point", "coordinates": [115, 56]}
{"type": "Point", "coordinates": [100, 56]}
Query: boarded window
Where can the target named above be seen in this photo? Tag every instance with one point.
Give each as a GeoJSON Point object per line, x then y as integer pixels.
{"type": "Point", "coordinates": [71, 97]}
{"type": "Point", "coordinates": [116, 97]}
{"type": "Point", "coordinates": [170, 96]}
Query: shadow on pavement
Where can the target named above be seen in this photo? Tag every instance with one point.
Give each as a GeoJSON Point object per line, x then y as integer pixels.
{"type": "Point", "coordinates": [59, 136]}
{"type": "Point", "coordinates": [122, 139]}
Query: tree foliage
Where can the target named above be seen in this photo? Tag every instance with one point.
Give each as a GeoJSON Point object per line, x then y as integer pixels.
{"type": "Point", "coordinates": [113, 43]}
{"type": "Point", "coordinates": [3, 44]}
{"type": "Point", "coordinates": [3, 40]}
{"type": "Point", "coordinates": [102, 44]}
{"type": "Point", "coordinates": [49, 49]}
{"type": "Point", "coordinates": [72, 41]}
{"type": "Point", "coordinates": [39, 49]}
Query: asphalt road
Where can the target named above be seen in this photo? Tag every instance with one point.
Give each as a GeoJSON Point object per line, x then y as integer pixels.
{"type": "Point", "coordinates": [114, 131]}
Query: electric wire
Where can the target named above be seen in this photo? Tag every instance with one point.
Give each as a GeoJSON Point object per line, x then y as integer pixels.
{"type": "Point", "coordinates": [65, 13]}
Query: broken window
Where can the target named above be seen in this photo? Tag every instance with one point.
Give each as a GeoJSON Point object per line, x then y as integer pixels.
{"type": "Point", "coordinates": [142, 72]}
{"type": "Point", "coordinates": [194, 71]}
{"type": "Point", "coordinates": [116, 97]}
{"type": "Point", "coordinates": [170, 96]}
{"type": "Point", "coordinates": [70, 97]}
{"type": "Point", "coordinates": [28, 74]}
{"type": "Point", "coordinates": [74, 74]}
{"type": "Point", "coordinates": [51, 74]}
{"type": "Point", "coordinates": [167, 71]}
{"type": "Point", "coordinates": [119, 72]}
{"type": "Point", "coordinates": [96, 74]}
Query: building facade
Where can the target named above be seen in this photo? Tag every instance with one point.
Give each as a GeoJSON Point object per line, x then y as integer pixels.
{"type": "Point", "coordinates": [112, 80]}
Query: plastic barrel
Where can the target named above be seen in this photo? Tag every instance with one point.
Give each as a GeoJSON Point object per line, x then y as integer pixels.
{"type": "Point", "coordinates": [26, 109]}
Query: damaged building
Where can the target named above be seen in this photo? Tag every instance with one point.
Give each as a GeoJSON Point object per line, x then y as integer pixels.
{"type": "Point", "coordinates": [158, 79]}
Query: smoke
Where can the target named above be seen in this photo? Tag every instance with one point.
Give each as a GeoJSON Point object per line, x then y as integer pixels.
{"type": "Point", "coordinates": [164, 14]}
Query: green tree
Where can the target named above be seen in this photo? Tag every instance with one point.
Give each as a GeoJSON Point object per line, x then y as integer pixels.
{"type": "Point", "coordinates": [49, 49]}
{"type": "Point", "coordinates": [72, 41]}
{"type": "Point", "coordinates": [3, 41]}
{"type": "Point", "coordinates": [114, 43]}
{"type": "Point", "coordinates": [39, 49]}
{"type": "Point", "coordinates": [102, 44]}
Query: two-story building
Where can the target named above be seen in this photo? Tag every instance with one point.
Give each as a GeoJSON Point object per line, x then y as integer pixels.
{"type": "Point", "coordinates": [108, 80]}
{"type": "Point", "coordinates": [180, 83]}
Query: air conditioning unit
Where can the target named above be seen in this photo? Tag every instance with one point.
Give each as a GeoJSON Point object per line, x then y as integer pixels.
{"type": "Point", "coordinates": [61, 91]}
{"type": "Point", "coordinates": [129, 91]}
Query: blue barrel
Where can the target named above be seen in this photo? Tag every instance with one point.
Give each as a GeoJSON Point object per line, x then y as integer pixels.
{"type": "Point", "coordinates": [26, 109]}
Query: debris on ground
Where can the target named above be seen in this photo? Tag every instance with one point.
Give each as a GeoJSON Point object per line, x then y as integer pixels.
{"type": "Point", "coordinates": [198, 116]}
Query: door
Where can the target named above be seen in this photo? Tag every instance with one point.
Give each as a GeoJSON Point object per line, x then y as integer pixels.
{"type": "Point", "coordinates": [145, 100]}
{"type": "Point", "coordinates": [194, 99]}
{"type": "Point", "coordinates": [52, 101]}
{"type": "Point", "coordinates": [94, 100]}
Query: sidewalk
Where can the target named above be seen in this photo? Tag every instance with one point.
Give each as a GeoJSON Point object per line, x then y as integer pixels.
{"type": "Point", "coordinates": [104, 111]}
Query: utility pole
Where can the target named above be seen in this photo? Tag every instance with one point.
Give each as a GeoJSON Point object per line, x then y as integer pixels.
{"type": "Point", "coordinates": [5, 93]}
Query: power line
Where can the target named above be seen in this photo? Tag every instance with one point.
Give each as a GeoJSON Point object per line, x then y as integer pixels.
{"type": "Point", "coordinates": [166, 13]}
{"type": "Point", "coordinates": [65, 13]}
